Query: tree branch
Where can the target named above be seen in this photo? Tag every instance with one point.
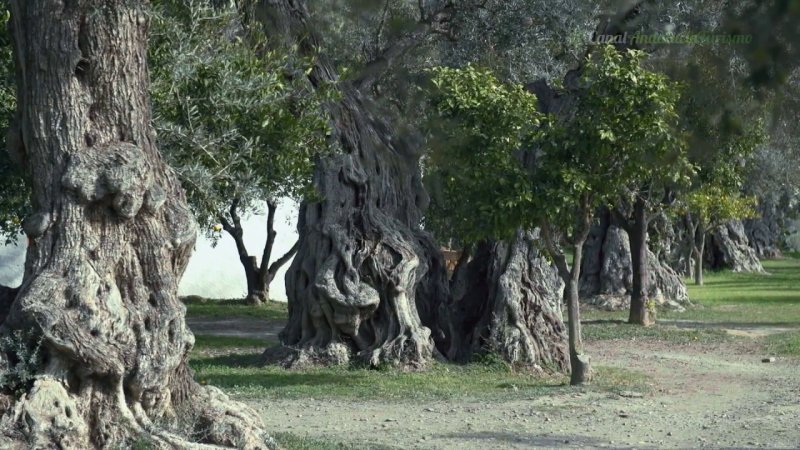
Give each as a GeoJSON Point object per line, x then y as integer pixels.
{"type": "Point", "coordinates": [555, 252]}
{"type": "Point", "coordinates": [621, 219]}
{"type": "Point", "coordinates": [435, 23]}
{"type": "Point", "coordinates": [273, 269]}
{"type": "Point", "coordinates": [272, 207]}
{"type": "Point", "coordinates": [236, 231]}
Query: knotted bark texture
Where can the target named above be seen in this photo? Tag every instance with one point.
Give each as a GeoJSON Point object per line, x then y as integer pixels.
{"type": "Point", "coordinates": [109, 242]}
{"type": "Point", "coordinates": [368, 284]}
{"type": "Point", "coordinates": [607, 274]}
{"type": "Point", "coordinates": [352, 286]}
{"type": "Point", "coordinates": [729, 248]}
{"type": "Point", "coordinates": [507, 300]}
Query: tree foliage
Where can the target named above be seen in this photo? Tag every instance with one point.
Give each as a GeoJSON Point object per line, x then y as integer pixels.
{"type": "Point", "coordinates": [621, 133]}
{"type": "Point", "coordinates": [14, 190]}
{"type": "Point", "coordinates": [234, 118]}
{"type": "Point", "coordinates": [479, 187]}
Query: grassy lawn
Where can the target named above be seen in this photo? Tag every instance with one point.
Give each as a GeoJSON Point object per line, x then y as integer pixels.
{"type": "Point", "coordinates": [741, 298]}
{"type": "Point", "coordinates": [240, 373]}
{"type": "Point", "coordinates": [617, 329]}
{"type": "Point", "coordinates": [235, 308]}
{"type": "Point", "coordinates": [726, 298]}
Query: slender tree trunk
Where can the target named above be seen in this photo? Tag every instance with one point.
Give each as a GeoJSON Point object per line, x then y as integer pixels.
{"type": "Point", "coordinates": [579, 362]}
{"type": "Point", "coordinates": [639, 313]}
{"type": "Point", "coordinates": [699, 249]}
{"type": "Point", "coordinates": [110, 238]}
{"type": "Point", "coordinates": [690, 245]}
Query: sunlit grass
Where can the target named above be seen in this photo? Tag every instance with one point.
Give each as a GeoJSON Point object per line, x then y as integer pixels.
{"type": "Point", "coordinates": [235, 308]}
{"type": "Point", "coordinates": [738, 298]}
{"type": "Point", "coordinates": [783, 344]}
{"type": "Point", "coordinates": [243, 375]}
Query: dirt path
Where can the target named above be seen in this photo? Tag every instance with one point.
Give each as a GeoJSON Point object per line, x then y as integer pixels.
{"type": "Point", "coordinates": [709, 395]}
{"type": "Point", "coordinates": [242, 327]}
{"type": "Point", "coordinates": [714, 396]}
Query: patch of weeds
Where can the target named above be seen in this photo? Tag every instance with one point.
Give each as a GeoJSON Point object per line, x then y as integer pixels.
{"type": "Point", "coordinates": [783, 344]}
{"type": "Point", "coordinates": [616, 379]}
{"type": "Point", "coordinates": [22, 361]}
{"type": "Point", "coordinates": [491, 361]}
{"type": "Point", "coordinates": [294, 442]}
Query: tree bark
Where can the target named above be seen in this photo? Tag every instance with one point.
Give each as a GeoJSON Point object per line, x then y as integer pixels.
{"type": "Point", "coordinates": [640, 312]}
{"type": "Point", "coordinates": [110, 238]}
{"type": "Point", "coordinates": [352, 286]}
{"type": "Point", "coordinates": [506, 300]}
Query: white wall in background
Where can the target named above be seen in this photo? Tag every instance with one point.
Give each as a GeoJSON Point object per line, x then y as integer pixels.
{"type": "Point", "coordinates": [12, 264]}
{"type": "Point", "coordinates": [217, 272]}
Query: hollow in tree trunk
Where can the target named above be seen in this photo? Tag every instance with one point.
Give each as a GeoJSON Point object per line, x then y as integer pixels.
{"type": "Point", "coordinates": [259, 276]}
{"type": "Point", "coordinates": [110, 238]}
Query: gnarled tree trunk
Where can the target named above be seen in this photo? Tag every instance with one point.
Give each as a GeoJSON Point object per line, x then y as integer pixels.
{"type": "Point", "coordinates": [507, 300]}
{"type": "Point", "coordinates": [110, 238]}
{"type": "Point", "coordinates": [352, 286]}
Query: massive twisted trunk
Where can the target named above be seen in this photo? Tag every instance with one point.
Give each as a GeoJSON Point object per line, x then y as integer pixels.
{"type": "Point", "coordinates": [353, 283]}
{"type": "Point", "coordinates": [607, 276]}
{"type": "Point", "coordinates": [109, 240]}
{"type": "Point", "coordinates": [507, 300]}
{"type": "Point", "coordinates": [729, 248]}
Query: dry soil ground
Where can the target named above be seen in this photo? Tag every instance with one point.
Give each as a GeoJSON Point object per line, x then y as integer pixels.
{"type": "Point", "coordinates": [713, 395]}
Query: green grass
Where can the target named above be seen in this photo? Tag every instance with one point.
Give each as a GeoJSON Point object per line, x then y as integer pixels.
{"type": "Point", "coordinates": [747, 297]}
{"type": "Point", "coordinates": [241, 374]}
{"type": "Point", "coordinates": [738, 298]}
{"type": "Point", "coordinates": [609, 330]}
{"type": "Point", "coordinates": [235, 308]}
{"type": "Point", "coordinates": [783, 344]}
{"type": "Point", "coordinates": [291, 441]}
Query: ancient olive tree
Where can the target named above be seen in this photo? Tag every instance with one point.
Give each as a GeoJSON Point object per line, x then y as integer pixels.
{"type": "Point", "coordinates": [110, 236]}
{"type": "Point", "coordinates": [353, 285]}
{"type": "Point", "coordinates": [234, 121]}
{"type": "Point", "coordinates": [506, 298]}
